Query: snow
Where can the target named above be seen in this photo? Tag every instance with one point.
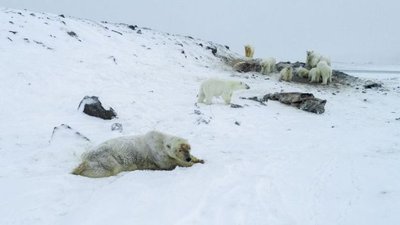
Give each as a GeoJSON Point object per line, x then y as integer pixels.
{"type": "Point", "coordinates": [280, 166]}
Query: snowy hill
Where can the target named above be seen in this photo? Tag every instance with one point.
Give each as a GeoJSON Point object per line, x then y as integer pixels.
{"type": "Point", "coordinates": [270, 164]}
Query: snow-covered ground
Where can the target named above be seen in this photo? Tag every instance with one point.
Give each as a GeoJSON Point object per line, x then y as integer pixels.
{"type": "Point", "coordinates": [281, 165]}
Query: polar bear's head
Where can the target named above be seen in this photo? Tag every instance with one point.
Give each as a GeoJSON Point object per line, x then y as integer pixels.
{"type": "Point", "coordinates": [178, 148]}
{"type": "Point", "coordinates": [238, 85]}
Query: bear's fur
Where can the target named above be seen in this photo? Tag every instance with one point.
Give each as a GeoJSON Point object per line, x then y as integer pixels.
{"type": "Point", "coordinates": [249, 51]}
{"type": "Point", "coordinates": [286, 74]}
{"type": "Point", "coordinates": [268, 66]}
{"type": "Point", "coordinates": [314, 58]}
{"type": "Point", "coordinates": [152, 151]}
{"type": "Point", "coordinates": [325, 71]}
{"type": "Point", "coordinates": [302, 72]}
{"type": "Point", "coordinates": [215, 88]}
{"type": "Point", "coordinates": [314, 75]}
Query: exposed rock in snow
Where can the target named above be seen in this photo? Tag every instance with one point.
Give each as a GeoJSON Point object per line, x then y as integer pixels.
{"type": "Point", "coordinates": [303, 101]}
{"type": "Point", "coordinates": [117, 127]}
{"type": "Point", "coordinates": [93, 107]}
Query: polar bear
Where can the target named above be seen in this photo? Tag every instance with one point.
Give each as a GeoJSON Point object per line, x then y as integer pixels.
{"type": "Point", "coordinates": [249, 51]}
{"type": "Point", "coordinates": [302, 72]}
{"type": "Point", "coordinates": [215, 88]}
{"type": "Point", "coordinates": [268, 65]}
{"type": "Point", "coordinates": [314, 75]}
{"type": "Point", "coordinates": [151, 151]}
{"type": "Point", "coordinates": [286, 74]}
{"type": "Point", "coordinates": [325, 71]}
{"type": "Point", "coordinates": [314, 58]}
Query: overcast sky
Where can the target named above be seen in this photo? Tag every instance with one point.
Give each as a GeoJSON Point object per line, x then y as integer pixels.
{"type": "Point", "coordinates": [362, 31]}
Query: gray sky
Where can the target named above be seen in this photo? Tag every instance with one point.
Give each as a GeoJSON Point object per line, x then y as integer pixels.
{"type": "Point", "coordinates": [346, 30]}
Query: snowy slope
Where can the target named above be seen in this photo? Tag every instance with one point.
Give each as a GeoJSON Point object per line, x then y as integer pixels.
{"type": "Point", "coordinates": [280, 166]}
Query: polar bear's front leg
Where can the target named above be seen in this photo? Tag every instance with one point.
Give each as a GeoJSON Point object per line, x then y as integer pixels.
{"type": "Point", "coordinates": [227, 97]}
{"type": "Point", "coordinates": [196, 160]}
{"type": "Point", "coordinates": [191, 163]}
{"type": "Point", "coordinates": [201, 96]}
{"type": "Point", "coordinates": [208, 99]}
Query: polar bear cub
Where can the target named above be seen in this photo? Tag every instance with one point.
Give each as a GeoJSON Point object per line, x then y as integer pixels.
{"type": "Point", "coordinates": [325, 72]}
{"type": "Point", "coordinates": [268, 65]}
{"type": "Point", "coordinates": [302, 72]}
{"type": "Point", "coordinates": [152, 151]}
{"type": "Point", "coordinates": [286, 74]}
{"type": "Point", "coordinates": [314, 58]}
{"type": "Point", "coordinates": [216, 87]}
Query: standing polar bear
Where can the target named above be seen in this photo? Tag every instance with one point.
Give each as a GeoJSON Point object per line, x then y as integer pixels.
{"type": "Point", "coordinates": [215, 88]}
{"type": "Point", "coordinates": [152, 151]}
{"type": "Point", "coordinates": [268, 65]}
{"type": "Point", "coordinates": [325, 72]}
{"type": "Point", "coordinates": [249, 51]}
{"type": "Point", "coordinates": [314, 58]}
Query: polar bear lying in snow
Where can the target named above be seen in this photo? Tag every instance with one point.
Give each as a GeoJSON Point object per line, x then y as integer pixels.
{"type": "Point", "coordinates": [314, 58]}
{"type": "Point", "coordinates": [268, 65]}
{"type": "Point", "coordinates": [152, 151]}
{"type": "Point", "coordinates": [215, 88]}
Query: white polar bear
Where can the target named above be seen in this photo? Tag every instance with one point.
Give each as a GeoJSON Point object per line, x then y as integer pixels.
{"type": "Point", "coordinates": [302, 72]}
{"type": "Point", "coordinates": [314, 58]}
{"type": "Point", "coordinates": [286, 74]}
{"type": "Point", "coordinates": [314, 75]}
{"type": "Point", "coordinates": [249, 51]}
{"type": "Point", "coordinates": [268, 65]}
{"type": "Point", "coordinates": [152, 151]}
{"type": "Point", "coordinates": [215, 88]}
{"type": "Point", "coordinates": [325, 71]}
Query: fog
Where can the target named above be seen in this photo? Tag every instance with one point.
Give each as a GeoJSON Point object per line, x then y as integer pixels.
{"type": "Point", "coordinates": [347, 31]}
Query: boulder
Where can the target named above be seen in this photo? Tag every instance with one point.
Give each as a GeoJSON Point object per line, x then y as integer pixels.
{"type": "Point", "coordinates": [303, 101]}
{"type": "Point", "coordinates": [93, 107]}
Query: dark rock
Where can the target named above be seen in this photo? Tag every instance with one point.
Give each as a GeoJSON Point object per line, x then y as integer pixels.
{"type": "Point", "coordinates": [116, 127]}
{"type": "Point", "coordinates": [11, 22]}
{"type": "Point", "coordinates": [237, 123]}
{"type": "Point", "coordinates": [213, 50]}
{"type": "Point", "coordinates": [303, 101]}
{"type": "Point", "coordinates": [257, 99]}
{"type": "Point", "coordinates": [132, 27]}
{"type": "Point", "coordinates": [200, 44]}
{"type": "Point", "coordinates": [72, 34]}
{"type": "Point", "coordinates": [61, 15]}
{"type": "Point", "coordinates": [197, 112]}
{"type": "Point", "coordinates": [93, 107]}
{"type": "Point", "coordinates": [116, 32]}
{"type": "Point", "coordinates": [32, 14]}
{"type": "Point", "coordinates": [398, 118]}
{"type": "Point", "coordinates": [245, 66]}
{"type": "Point", "coordinates": [139, 32]}
{"type": "Point", "coordinates": [236, 106]}
{"type": "Point", "coordinates": [227, 47]}
{"type": "Point", "coordinates": [371, 84]}
{"type": "Point", "coordinates": [13, 32]}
